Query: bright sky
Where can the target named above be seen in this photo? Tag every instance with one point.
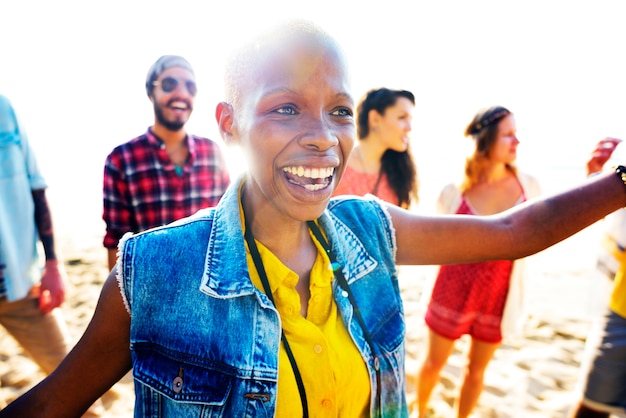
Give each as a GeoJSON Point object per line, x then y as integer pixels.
{"type": "Point", "coordinates": [75, 71]}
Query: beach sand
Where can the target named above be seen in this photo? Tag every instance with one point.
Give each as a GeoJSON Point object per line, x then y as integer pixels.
{"type": "Point", "coordinates": [533, 377]}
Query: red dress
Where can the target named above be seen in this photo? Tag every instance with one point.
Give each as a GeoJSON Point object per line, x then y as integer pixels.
{"type": "Point", "coordinates": [469, 298]}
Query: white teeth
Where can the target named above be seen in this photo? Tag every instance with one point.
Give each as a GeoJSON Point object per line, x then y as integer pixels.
{"type": "Point", "coordinates": [179, 105]}
{"type": "Point", "coordinates": [315, 187]}
{"type": "Point", "coordinates": [312, 173]}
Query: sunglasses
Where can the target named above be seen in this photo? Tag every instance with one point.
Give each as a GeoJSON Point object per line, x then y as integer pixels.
{"type": "Point", "coordinates": [169, 84]}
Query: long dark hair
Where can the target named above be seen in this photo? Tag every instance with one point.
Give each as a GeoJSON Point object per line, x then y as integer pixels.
{"type": "Point", "coordinates": [398, 167]}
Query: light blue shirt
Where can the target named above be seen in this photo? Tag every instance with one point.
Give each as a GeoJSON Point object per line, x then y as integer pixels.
{"type": "Point", "coordinates": [19, 175]}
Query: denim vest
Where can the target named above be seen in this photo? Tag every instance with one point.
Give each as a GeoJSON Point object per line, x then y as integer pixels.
{"type": "Point", "coordinates": [204, 341]}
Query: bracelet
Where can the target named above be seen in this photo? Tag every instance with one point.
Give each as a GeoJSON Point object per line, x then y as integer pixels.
{"type": "Point", "coordinates": [620, 170]}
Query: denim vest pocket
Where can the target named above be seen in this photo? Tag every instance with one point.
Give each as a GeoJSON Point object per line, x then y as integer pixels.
{"type": "Point", "coordinates": [181, 377]}
{"type": "Point", "coordinates": [169, 383]}
{"type": "Point", "coordinates": [391, 332]}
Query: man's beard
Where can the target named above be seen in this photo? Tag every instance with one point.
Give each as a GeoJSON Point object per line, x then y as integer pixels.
{"type": "Point", "coordinates": [173, 126]}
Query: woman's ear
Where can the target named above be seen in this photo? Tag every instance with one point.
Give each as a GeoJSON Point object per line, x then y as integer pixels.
{"type": "Point", "coordinates": [224, 114]}
{"type": "Point", "coordinates": [373, 119]}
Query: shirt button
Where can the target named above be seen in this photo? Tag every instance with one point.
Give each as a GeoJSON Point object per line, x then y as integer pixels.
{"type": "Point", "coordinates": [177, 384]}
{"type": "Point", "coordinates": [327, 404]}
{"type": "Point", "coordinates": [317, 348]}
{"type": "Point", "coordinates": [344, 293]}
{"type": "Point", "coordinates": [316, 298]}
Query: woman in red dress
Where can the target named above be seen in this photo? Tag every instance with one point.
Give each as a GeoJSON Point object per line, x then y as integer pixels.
{"type": "Point", "coordinates": [470, 298]}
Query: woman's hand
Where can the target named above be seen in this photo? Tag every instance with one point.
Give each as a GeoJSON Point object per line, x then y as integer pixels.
{"type": "Point", "coordinates": [601, 154]}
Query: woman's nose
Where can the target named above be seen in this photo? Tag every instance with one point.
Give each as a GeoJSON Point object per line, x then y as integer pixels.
{"type": "Point", "coordinates": [319, 135]}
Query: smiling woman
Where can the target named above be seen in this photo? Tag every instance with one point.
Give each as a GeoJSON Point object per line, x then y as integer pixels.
{"type": "Point", "coordinates": [279, 109]}
{"type": "Point", "coordinates": [382, 163]}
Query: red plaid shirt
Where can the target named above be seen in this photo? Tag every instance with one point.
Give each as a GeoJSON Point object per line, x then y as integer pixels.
{"type": "Point", "coordinates": [142, 189]}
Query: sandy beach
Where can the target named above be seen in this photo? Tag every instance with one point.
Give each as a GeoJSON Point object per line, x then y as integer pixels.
{"type": "Point", "coordinates": [534, 376]}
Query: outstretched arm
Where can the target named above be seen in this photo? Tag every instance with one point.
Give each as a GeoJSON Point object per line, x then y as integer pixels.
{"type": "Point", "coordinates": [99, 359]}
{"type": "Point", "coordinates": [520, 231]}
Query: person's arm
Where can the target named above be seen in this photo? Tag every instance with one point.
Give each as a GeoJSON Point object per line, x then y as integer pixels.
{"type": "Point", "coordinates": [111, 257]}
{"type": "Point", "coordinates": [116, 211]}
{"type": "Point", "coordinates": [99, 359]}
{"type": "Point", "coordinates": [518, 232]}
{"type": "Point", "coordinates": [52, 289]}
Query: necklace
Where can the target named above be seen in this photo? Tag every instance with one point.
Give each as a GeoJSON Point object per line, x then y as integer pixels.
{"type": "Point", "coordinates": [178, 154]}
{"type": "Point", "coordinates": [360, 158]}
{"type": "Point", "coordinates": [374, 189]}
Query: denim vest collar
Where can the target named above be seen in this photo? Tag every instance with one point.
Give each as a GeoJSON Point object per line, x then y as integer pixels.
{"type": "Point", "coordinates": [227, 237]}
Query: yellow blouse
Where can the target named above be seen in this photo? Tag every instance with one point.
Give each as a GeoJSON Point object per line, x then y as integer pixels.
{"type": "Point", "coordinates": [334, 374]}
{"type": "Point", "coordinates": [618, 297]}
{"type": "Point", "coordinates": [616, 254]}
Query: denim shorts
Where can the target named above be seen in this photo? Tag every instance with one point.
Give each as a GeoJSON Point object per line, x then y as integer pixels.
{"type": "Point", "coordinates": [605, 386]}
